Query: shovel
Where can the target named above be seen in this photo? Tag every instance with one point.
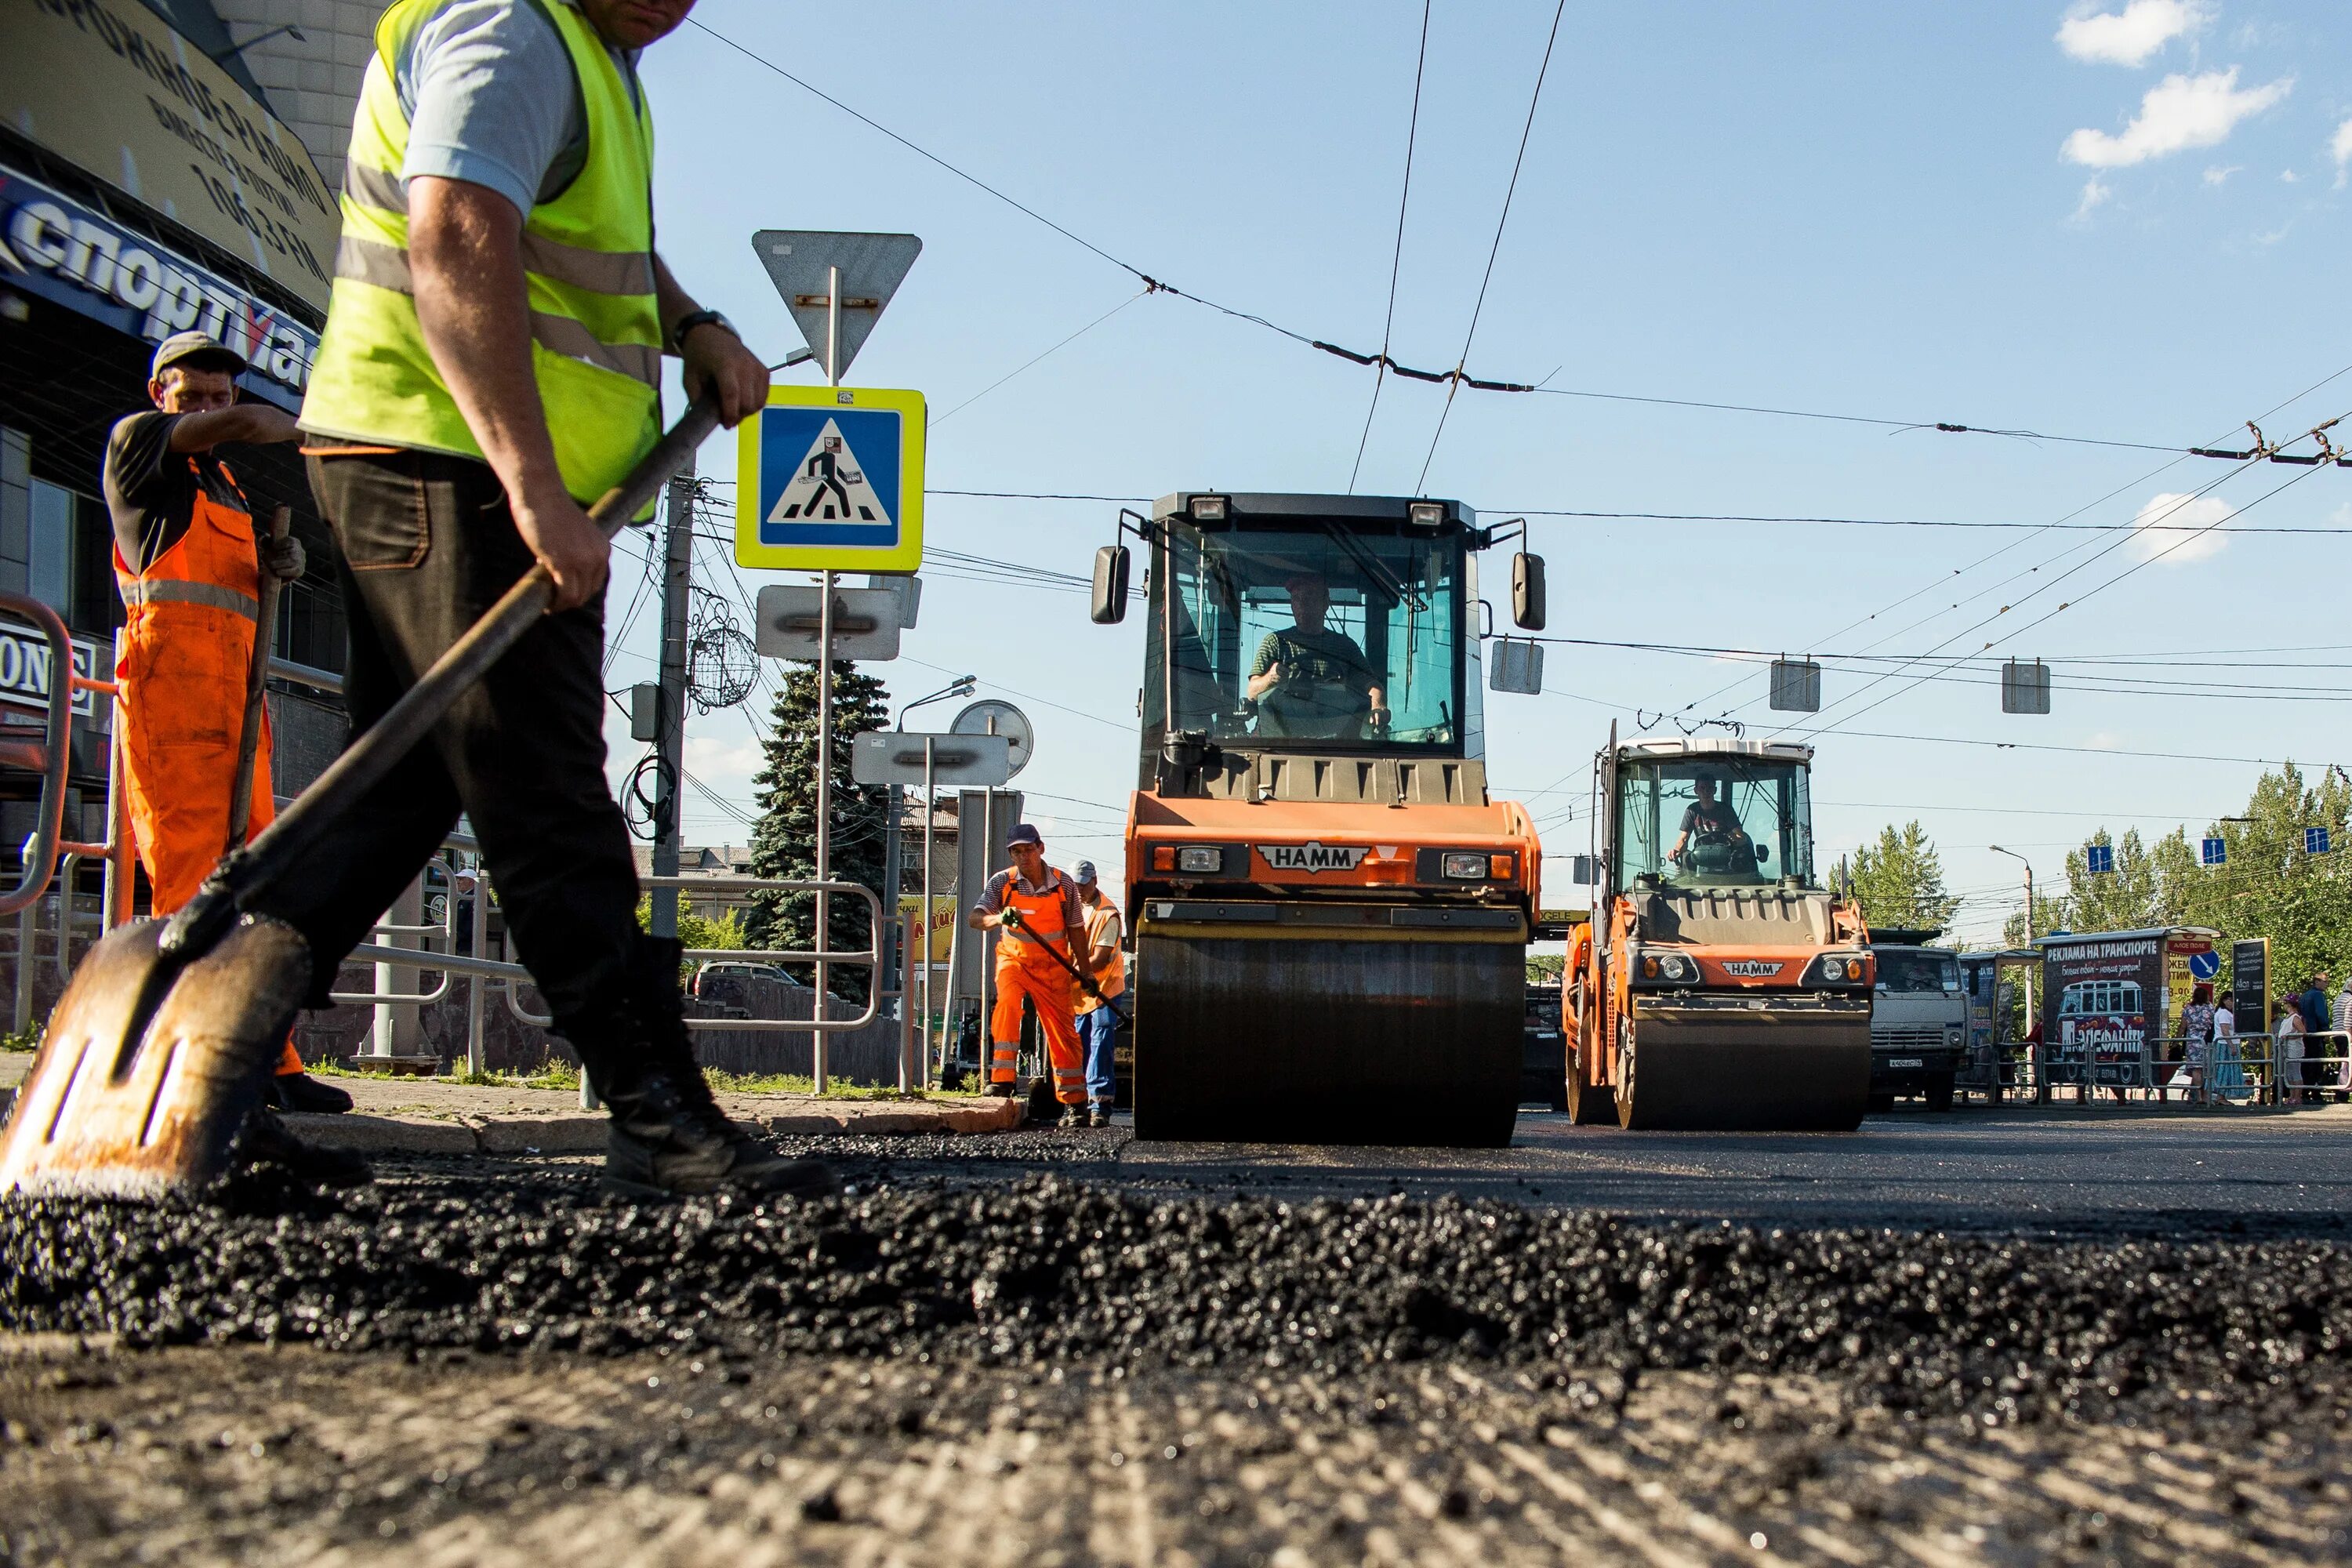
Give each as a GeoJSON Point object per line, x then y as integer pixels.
{"type": "Point", "coordinates": [165, 1038]}
{"type": "Point", "coordinates": [249, 741]}
{"type": "Point", "coordinates": [1085, 982]}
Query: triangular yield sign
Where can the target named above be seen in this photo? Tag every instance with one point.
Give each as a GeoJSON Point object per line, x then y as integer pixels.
{"type": "Point", "coordinates": [799, 263]}
{"type": "Point", "coordinates": [830, 486]}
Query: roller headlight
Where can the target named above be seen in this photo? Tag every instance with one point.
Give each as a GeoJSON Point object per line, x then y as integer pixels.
{"type": "Point", "coordinates": [1668, 968]}
{"type": "Point", "coordinates": [1201, 859]}
{"type": "Point", "coordinates": [1465, 867]}
{"type": "Point", "coordinates": [1833, 969]}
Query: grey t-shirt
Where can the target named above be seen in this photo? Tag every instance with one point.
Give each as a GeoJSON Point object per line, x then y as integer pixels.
{"type": "Point", "coordinates": [492, 100]}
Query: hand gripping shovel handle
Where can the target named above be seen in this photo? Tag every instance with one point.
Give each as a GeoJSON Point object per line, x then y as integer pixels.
{"type": "Point", "coordinates": [264, 638]}
{"type": "Point", "coordinates": [1012, 917]}
{"type": "Point", "coordinates": [288, 842]}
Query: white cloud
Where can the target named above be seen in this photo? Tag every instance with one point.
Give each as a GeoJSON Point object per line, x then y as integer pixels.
{"type": "Point", "coordinates": [2340, 148]}
{"type": "Point", "coordinates": [2178, 112]}
{"type": "Point", "coordinates": [2216, 176]}
{"type": "Point", "coordinates": [2128, 36]}
{"type": "Point", "coordinates": [2096, 193]}
{"type": "Point", "coordinates": [2167, 526]}
{"type": "Point", "coordinates": [2289, 177]}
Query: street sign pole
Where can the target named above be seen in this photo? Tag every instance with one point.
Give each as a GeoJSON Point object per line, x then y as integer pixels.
{"type": "Point", "coordinates": [930, 811]}
{"type": "Point", "coordinates": [824, 706]}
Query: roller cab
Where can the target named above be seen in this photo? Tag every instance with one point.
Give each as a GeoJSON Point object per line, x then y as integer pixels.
{"type": "Point", "coordinates": [1720, 986]}
{"type": "Point", "coordinates": [1331, 915]}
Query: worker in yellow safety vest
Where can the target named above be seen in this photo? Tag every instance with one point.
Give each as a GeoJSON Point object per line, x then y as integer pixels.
{"type": "Point", "coordinates": [491, 365]}
{"type": "Point", "coordinates": [1035, 911]}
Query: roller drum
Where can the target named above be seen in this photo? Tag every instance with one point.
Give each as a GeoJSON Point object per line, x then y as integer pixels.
{"type": "Point", "coordinates": [1753, 1072]}
{"type": "Point", "coordinates": [1321, 1039]}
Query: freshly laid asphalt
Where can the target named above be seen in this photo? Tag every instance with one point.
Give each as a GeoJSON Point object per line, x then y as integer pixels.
{"type": "Point", "coordinates": [2012, 1335]}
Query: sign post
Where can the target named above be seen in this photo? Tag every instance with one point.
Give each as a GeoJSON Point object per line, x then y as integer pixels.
{"type": "Point", "coordinates": [839, 508]}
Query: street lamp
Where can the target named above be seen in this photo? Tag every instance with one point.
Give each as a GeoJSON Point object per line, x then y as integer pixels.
{"type": "Point", "coordinates": [2040, 1079]}
{"type": "Point", "coordinates": [2028, 886]}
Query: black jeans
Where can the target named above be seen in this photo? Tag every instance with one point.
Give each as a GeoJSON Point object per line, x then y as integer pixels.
{"type": "Point", "coordinates": [428, 544]}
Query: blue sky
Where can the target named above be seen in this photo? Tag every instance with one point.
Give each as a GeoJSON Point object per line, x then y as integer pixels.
{"type": "Point", "coordinates": [2125, 222]}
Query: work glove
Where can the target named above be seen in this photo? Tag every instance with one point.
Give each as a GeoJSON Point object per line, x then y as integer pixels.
{"type": "Point", "coordinates": [283, 558]}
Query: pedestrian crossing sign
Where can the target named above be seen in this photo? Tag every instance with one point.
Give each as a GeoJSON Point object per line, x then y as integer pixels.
{"type": "Point", "coordinates": [831, 478]}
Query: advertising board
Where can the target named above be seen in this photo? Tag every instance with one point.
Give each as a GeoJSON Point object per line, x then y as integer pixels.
{"type": "Point", "coordinates": [2103, 999]}
{"type": "Point", "coordinates": [110, 86]}
{"type": "Point", "coordinates": [73, 256]}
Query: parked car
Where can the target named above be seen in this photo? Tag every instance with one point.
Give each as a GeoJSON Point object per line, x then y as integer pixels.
{"type": "Point", "coordinates": [725, 969]}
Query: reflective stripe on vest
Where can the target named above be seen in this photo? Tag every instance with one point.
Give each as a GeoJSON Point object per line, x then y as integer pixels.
{"type": "Point", "coordinates": [173, 591]}
{"type": "Point", "coordinates": [587, 255]}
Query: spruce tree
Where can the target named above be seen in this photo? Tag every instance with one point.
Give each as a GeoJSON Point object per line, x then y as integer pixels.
{"type": "Point", "coordinates": [783, 844]}
{"type": "Point", "coordinates": [1899, 880]}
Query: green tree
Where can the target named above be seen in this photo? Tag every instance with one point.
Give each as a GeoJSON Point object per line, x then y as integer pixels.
{"type": "Point", "coordinates": [1899, 880]}
{"type": "Point", "coordinates": [2269, 885]}
{"type": "Point", "coordinates": [783, 844]}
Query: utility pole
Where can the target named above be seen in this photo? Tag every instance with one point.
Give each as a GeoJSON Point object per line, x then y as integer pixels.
{"type": "Point", "coordinates": [2040, 1079]}
{"type": "Point", "coordinates": [669, 777]}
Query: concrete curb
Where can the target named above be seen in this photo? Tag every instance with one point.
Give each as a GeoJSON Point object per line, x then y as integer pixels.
{"type": "Point", "coordinates": [585, 1133]}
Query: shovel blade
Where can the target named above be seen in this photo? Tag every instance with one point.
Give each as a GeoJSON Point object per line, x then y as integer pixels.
{"type": "Point", "coordinates": [148, 1068]}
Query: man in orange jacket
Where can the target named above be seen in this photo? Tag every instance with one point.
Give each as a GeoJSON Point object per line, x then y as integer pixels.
{"type": "Point", "coordinates": [189, 565]}
{"type": "Point", "coordinates": [1047, 904]}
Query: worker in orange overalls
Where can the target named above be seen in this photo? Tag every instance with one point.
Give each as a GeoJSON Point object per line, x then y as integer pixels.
{"type": "Point", "coordinates": [1050, 916]}
{"type": "Point", "coordinates": [187, 558]}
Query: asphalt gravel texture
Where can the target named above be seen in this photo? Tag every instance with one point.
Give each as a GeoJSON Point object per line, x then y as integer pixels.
{"type": "Point", "coordinates": [2226, 1343]}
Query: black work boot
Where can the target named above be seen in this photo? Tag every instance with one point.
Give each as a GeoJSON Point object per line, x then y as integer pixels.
{"type": "Point", "coordinates": [667, 1137]}
{"type": "Point", "coordinates": [301, 1091]}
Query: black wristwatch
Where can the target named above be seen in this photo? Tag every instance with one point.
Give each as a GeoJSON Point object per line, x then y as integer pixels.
{"type": "Point", "coordinates": [694, 318]}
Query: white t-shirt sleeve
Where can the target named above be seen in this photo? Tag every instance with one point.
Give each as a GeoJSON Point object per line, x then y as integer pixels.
{"type": "Point", "coordinates": [488, 91]}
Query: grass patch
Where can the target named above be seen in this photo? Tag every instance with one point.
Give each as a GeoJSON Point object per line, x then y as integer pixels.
{"type": "Point", "coordinates": [28, 1039]}
{"type": "Point", "coordinates": [564, 1076]}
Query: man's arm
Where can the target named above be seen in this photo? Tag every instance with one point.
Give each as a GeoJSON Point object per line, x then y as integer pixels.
{"type": "Point", "coordinates": [715, 358]}
{"type": "Point", "coordinates": [1265, 671]}
{"type": "Point", "coordinates": [258, 424]}
{"type": "Point", "coordinates": [465, 249]}
{"type": "Point", "coordinates": [1105, 951]}
{"type": "Point", "coordinates": [984, 913]}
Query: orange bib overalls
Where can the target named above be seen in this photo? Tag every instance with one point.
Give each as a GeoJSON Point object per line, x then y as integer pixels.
{"type": "Point", "coordinates": [1024, 971]}
{"type": "Point", "coordinates": [181, 664]}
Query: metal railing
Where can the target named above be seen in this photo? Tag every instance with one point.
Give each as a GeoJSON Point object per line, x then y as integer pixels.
{"type": "Point", "coordinates": [2232, 1070]}
{"type": "Point", "coordinates": [509, 976]}
{"type": "Point", "coordinates": [2325, 1064]}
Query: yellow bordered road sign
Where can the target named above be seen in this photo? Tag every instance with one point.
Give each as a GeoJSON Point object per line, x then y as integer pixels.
{"type": "Point", "coordinates": [831, 478]}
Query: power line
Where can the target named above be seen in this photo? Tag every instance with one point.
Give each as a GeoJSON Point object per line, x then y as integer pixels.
{"type": "Point", "coordinates": [1888, 522]}
{"type": "Point", "coordinates": [1396, 260]}
{"type": "Point", "coordinates": [1382, 361]}
{"type": "Point", "coordinates": [1501, 222]}
{"type": "Point", "coordinates": [1058, 348]}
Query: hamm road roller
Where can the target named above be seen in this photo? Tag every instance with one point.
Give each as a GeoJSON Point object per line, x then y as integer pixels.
{"type": "Point", "coordinates": [1719, 984]}
{"type": "Point", "coordinates": [1331, 916]}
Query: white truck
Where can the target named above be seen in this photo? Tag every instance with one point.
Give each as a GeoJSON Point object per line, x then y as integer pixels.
{"type": "Point", "coordinates": [1919, 1021]}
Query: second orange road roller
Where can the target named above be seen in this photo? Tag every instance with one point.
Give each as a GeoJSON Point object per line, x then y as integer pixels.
{"type": "Point", "coordinates": [1719, 984]}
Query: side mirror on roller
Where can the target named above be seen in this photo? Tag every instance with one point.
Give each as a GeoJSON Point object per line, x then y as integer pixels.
{"type": "Point", "coordinates": [1527, 591]}
{"type": "Point", "coordinates": [1110, 585]}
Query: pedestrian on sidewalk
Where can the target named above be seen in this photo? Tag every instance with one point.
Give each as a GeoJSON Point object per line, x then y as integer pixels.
{"type": "Point", "coordinates": [1098, 1021]}
{"type": "Point", "coordinates": [491, 365]}
{"type": "Point", "coordinates": [2341, 1046]}
{"type": "Point", "coordinates": [189, 563]}
{"type": "Point", "coordinates": [2196, 1036]}
{"type": "Point", "coordinates": [2287, 1045]}
{"type": "Point", "coordinates": [2228, 1066]}
{"type": "Point", "coordinates": [1051, 922]}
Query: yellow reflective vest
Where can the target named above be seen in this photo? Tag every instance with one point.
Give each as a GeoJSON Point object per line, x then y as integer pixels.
{"type": "Point", "coordinates": [588, 251]}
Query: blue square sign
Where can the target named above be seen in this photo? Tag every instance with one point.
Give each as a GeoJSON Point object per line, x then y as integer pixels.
{"type": "Point", "coordinates": [831, 478]}
{"type": "Point", "coordinates": [2099, 859]}
{"type": "Point", "coordinates": [2214, 852]}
